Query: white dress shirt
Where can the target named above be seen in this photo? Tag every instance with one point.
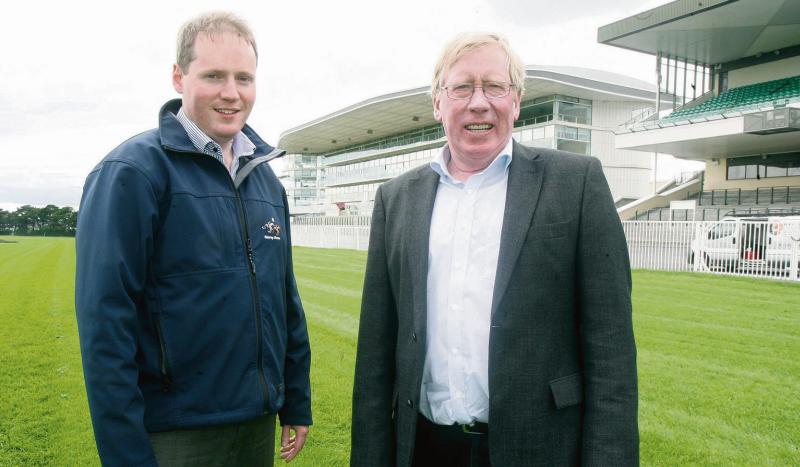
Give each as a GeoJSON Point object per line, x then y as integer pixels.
{"type": "Point", "coordinates": [464, 245]}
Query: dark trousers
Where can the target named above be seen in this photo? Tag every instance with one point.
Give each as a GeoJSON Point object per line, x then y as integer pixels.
{"type": "Point", "coordinates": [245, 444]}
{"type": "Point", "coordinates": [449, 446]}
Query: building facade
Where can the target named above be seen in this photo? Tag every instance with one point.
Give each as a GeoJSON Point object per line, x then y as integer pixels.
{"type": "Point", "coordinates": [341, 158]}
{"type": "Point", "coordinates": [732, 69]}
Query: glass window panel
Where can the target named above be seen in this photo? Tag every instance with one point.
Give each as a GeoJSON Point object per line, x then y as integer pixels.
{"type": "Point", "coordinates": [527, 135]}
{"type": "Point", "coordinates": [574, 113]}
{"type": "Point", "coordinates": [567, 132]}
{"type": "Point", "coordinates": [577, 147]}
{"type": "Point", "coordinates": [537, 113]}
{"type": "Point", "coordinates": [735, 172]}
{"type": "Point", "coordinates": [776, 170]}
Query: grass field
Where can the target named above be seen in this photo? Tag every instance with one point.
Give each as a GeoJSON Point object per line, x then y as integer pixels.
{"type": "Point", "coordinates": [719, 373]}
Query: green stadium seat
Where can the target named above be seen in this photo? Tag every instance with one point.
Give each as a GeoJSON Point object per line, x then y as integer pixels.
{"type": "Point", "coordinates": [776, 93]}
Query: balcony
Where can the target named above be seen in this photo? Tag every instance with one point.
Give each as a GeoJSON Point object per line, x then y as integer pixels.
{"type": "Point", "coordinates": [365, 175]}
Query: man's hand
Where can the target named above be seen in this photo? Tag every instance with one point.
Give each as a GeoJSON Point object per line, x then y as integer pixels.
{"type": "Point", "coordinates": [292, 445]}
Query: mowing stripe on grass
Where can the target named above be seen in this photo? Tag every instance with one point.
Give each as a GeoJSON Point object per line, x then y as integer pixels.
{"type": "Point", "coordinates": [718, 369]}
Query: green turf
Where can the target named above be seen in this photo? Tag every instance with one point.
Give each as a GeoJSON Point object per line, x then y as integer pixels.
{"type": "Point", "coordinates": [719, 376]}
{"type": "Point", "coordinates": [718, 372]}
{"type": "Point", "coordinates": [43, 408]}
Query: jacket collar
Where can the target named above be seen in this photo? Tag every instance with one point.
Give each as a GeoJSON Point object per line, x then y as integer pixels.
{"type": "Point", "coordinates": [174, 137]}
{"type": "Point", "coordinates": [525, 177]}
{"type": "Point", "coordinates": [422, 191]}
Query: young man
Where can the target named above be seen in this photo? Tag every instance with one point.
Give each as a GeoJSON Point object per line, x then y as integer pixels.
{"type": "Point", "coordinates": [497, 331]}
{"type": "Point", "coordinates": [192, 333]}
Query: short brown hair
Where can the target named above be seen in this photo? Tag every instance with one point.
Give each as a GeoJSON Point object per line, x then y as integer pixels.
{"type": "Point", "coordinates": [214, 22]}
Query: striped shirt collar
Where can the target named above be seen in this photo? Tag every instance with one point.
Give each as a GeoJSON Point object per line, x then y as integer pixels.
{"type": "Point", "coordinates": [242, 146]}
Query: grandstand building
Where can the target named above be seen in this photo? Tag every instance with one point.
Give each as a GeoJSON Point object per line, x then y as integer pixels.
{"type": "Point", "coordinates": [337, 161]}
{"type": "Point", "coordinates": [730, 69]}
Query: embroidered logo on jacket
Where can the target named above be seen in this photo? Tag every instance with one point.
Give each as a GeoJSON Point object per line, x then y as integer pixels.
{"type": "Point", "coordinates": [273, 230]}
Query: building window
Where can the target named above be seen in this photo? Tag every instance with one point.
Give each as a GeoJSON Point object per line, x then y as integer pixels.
{"type": "Point", "coordinates": [769, 166]}
{"type": "Point", "coordinates": [573, 139]}
{"type": "Point", "coordinates": [555, 107]}
{"type": "Point", "coordinates": [538, 112]}
{"type": "Point", "coordinates": [575, 112]}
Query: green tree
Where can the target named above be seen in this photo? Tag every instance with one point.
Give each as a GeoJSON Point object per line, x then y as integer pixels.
{"type": "Point", "coordinates": [5, 222]}
{"type": "Point", "coordinates": [50, 220]}
{"type": "Point", "coordinates": [47, 219]}
{"type": "Point", "coordinates": [26, 220]}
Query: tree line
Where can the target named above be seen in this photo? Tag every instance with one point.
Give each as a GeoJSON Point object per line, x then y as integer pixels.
{"type": "Point", "coordinates": [50, 220]}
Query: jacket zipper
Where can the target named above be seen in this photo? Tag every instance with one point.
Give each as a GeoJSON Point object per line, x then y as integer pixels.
{"type": "Point", "coordinates": [166, 380]}
{"type": "Point", "coordinates": [253, 289]}
{"type": "Point", "coordinates": [253, 283]}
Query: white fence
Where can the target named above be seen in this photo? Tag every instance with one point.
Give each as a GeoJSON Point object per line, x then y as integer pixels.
{"type": "Point", "coordinates": [736, 246]}
{"type": "Point", "coordinates": [347, 232]}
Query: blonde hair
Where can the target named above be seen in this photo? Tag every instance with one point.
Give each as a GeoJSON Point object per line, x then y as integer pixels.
{"type": "Point", "coordinates": [467, 42]}
{"type": "Point", "coordinates": [214, 22]}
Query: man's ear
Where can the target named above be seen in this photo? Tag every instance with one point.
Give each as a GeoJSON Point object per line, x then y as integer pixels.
{"type": "Point", "coordinates": [436, 113]}
{"type": "Point", "coordinates": [177, 78]}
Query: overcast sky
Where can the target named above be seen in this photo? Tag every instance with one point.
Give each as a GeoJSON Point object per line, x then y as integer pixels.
{"type": "Point", "coordinates": [77, 78]}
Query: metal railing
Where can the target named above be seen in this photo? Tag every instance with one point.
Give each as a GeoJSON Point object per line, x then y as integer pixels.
{"type": "Point", "coordinates": [736, 196]}
{"type": "Point", "coordinates": [710, 214]}
{"type": "Point", "coordinates": [734, 247]}
{"type": "Point", "coordinates": [742, 247]}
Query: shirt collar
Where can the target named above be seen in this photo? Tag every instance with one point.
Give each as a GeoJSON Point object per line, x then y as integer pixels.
{"type": "Point", "coordinates": [499, 164]}
{"type": "Point", "coordinates": [242, 146]}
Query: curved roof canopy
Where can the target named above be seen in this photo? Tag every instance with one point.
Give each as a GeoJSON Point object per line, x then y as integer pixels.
{"type": "Point", "coordinates": [404, 111]}
{"type": "Point", "coordinates": [709, 31]}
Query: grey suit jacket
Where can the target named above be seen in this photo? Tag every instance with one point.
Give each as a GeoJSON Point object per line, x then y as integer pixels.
{"type": "Point", "coordinates": [562, 358]}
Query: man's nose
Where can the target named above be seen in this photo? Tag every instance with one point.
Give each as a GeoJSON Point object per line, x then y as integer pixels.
{"type": "Point", "coordinates": [229, 90]}
{"type": "Point", "coordinates": [478, 100]}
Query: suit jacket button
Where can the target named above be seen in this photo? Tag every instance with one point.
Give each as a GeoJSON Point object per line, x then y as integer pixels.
{"type": "Point", "coordinates": [414, 336]}
{"type": "Point", "coordinates": [410, 403]}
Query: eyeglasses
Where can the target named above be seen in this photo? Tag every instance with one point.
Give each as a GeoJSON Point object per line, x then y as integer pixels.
{"type": "Point", "coordinates": [491, 90]}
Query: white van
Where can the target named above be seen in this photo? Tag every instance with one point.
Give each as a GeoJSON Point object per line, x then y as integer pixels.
{"type": "Point", "coordinates": [766, 244]}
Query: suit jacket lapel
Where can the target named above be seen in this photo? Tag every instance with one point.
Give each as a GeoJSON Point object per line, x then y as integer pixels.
{"type": "Point", "coordinates": [522, 195]}
{"type": "Point", "coordinates": [422, 196]}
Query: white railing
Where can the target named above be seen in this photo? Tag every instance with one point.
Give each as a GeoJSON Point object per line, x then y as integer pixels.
{"type": "Point", "coordinates": [769, 249]}
{"type": "Point", "coordinates": [343, 232]}
{"type": "Point", "coordinates": [365, 174]}
{"type": "Point", "coordinates": [734, 246]}
{"type": "Point", "coordinates": [331, 236]}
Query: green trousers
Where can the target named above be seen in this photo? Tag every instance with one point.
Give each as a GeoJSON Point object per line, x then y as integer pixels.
{"type": "Point", "coordinates": [245, 444]}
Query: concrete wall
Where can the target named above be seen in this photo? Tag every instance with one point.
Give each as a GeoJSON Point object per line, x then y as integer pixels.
{"type": "Point", "coordinates": [717, 171]}
{"type": "Point", "coordinates": [661, 200]}
{"type": "Point", "coordinates": [629, 173]}
{"type": "Point", "coordinates": [764, 72]}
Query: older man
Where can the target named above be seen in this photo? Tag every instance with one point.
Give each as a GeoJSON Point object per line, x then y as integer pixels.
{"type": "Point", "coordinates": [192, 333]}
{"type": "Point", "coordinates": [496, 330]}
